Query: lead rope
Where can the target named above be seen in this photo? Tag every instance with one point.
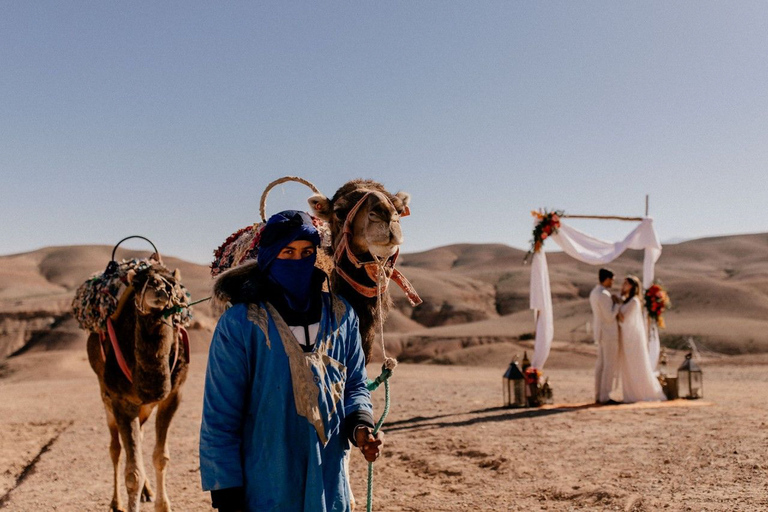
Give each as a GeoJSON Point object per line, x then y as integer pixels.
{"type": "Point", "coordinates": [386, 372]}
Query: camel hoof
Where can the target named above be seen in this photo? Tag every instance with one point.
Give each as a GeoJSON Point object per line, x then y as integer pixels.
{"type": "Point", "coordinates": [146, 494]}
{"type": "Point", "coordinates": [115, 506]}
{"type": "Point", "coordinates": [162, 506]}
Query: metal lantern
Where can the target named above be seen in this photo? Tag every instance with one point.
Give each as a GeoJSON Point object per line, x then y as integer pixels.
{"type": "Point", "coordinates": [690, 383]}
{"type": "Point", "coordinates": [513, 384]}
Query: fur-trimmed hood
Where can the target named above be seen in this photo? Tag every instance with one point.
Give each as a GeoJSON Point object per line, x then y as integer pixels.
{"type": "Point", "coordinates": [228, 287]}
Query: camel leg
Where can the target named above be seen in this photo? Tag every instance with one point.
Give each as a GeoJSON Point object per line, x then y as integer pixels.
{"type": "Point", "coordinates": [147, 495]}
{"type": "Point", "coordinates": [161, 455]}
{"type": "Point", "coordinates": [130, 433]}
{"type": "Point", "coordinates": [114, 453]}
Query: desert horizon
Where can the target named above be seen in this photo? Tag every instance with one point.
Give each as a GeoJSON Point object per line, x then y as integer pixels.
{"type": "Point", "coordinates": [474, 294]}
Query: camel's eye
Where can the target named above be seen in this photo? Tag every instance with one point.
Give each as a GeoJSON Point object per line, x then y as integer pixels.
{"type": "Point", "coordinates": [375, 217]}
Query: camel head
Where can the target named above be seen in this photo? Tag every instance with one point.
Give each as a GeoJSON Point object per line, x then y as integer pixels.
{"type": "Point", "coordinates": [376, 224]}
{"type": "Point", "coordinates": [156, 288]}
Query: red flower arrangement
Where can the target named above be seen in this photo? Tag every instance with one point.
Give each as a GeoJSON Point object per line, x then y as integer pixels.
{"type": "Point", "coordinates": [532, 393]}
{"type": "Point", "coordinates": [656, 303]}
{"type": "Point", "coordinates": [532, 375]}
{"type": "Point", "coordinates": [547, 225]}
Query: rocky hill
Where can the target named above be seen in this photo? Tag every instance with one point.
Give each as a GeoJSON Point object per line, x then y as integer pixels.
{"type": "Point", "coordinates": [474, 294]}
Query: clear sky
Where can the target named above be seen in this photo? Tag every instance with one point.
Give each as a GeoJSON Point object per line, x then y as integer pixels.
{"type": "Point", "coordinates": [168, 119]}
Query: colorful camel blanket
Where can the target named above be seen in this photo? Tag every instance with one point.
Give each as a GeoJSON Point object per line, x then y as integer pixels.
{"type": "Point", "coordinates": [97, 298]}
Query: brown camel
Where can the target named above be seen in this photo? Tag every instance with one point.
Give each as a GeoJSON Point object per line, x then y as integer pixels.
{"type": "Point", "coordinates": [157, 362]}
{"type": "Point", "coordinates": [375, 234]}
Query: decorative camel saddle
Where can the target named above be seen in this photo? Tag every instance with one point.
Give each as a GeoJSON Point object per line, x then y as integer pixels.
{"type": "Point", "coordinates": [243, 244]}
{"type": "Point", "coordinates": [101, 296]}
{"type": "Point", "coordinates": [100, 300]}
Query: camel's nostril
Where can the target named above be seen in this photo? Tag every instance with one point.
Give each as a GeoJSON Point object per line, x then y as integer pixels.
{"type": "Point", "coordinates": [395, 233]}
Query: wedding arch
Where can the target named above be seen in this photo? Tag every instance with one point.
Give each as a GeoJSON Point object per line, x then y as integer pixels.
{"type": "Point", "coordinates": [549, 225]}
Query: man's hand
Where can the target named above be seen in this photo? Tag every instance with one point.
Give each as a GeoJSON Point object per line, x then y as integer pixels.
{"type": "Point", "coordinates": [368, 444]}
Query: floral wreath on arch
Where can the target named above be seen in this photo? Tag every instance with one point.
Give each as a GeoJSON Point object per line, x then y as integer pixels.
{"type": "Point", "coordinates": [547, 224]}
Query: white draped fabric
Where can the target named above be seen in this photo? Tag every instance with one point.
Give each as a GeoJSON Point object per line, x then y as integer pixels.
{"type": "Point", "coordinates": [594, 251]}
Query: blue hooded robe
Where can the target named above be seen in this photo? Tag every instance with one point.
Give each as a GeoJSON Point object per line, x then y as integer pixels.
{"type": "Point", "coordinates": [272, 413]}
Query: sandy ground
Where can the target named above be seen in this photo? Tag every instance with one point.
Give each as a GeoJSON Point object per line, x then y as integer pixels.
{"type": "Point", "coordinates": [449, 446]}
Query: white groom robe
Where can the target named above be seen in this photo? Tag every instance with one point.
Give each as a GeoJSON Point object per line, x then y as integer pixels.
{"type": "Point", "coordinates": [606, 330]}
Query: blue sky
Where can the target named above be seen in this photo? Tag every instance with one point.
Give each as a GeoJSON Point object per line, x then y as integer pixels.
{"type": "Point", "coordinates": [168, 119]}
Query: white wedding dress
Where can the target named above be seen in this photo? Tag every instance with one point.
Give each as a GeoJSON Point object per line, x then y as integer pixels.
{"type": "Point", "coordinates": [638, 382]}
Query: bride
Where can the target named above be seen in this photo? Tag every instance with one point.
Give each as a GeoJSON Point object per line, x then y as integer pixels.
{"type": "Point", "coordinates": [637, 379]}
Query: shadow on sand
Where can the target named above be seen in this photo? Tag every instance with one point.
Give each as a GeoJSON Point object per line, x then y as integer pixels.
{"type": "Point", "coordinates": [505, 414]}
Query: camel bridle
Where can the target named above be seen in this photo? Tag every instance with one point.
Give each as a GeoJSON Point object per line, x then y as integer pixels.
{"type": "Point", "coordinates": [380, 270]}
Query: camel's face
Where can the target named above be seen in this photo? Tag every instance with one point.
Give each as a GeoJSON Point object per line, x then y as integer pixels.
{"type": "Point", "coordinates": [155, 291]}
{"type": "Point", "coordinates": [376, 225]}
{"type": "Point", "coordinates": [156, 295]}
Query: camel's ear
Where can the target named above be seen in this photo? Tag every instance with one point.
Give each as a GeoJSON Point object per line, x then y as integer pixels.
{"type": "Point", "coordinates": [405, 197]}
{"type": "Point", "coordinates": [130, 275]}
{"type": "Point", "coordinates": [177, 275]}
{"type": "Point", "coordinates": [320, 206]}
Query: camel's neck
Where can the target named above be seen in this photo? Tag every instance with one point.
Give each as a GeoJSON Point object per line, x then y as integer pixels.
{"type": "Point", "coordinates": [153, 344]}
{"type": "Point", "coordinates": [365, 307]}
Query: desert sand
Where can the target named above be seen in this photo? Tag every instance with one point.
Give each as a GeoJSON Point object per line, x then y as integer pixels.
{"type": "Point", "coordinates": [449, 444]}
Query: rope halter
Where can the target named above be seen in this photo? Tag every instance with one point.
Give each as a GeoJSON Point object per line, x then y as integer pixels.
{"type": "Point", "coordinates": [379, 270]}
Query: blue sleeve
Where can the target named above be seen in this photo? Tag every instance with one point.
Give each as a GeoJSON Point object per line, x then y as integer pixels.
{"type": "Point", "coordinates": [226, 388]}
{"type": "Point", "coordinates": [356, 394]}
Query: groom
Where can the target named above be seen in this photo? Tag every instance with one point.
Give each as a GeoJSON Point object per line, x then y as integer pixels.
{"type": "Point", "coordinates": [605, 314]}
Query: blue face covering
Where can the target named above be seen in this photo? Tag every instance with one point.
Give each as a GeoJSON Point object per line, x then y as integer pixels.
{"type": "Point", "coordinates": [295, 278]}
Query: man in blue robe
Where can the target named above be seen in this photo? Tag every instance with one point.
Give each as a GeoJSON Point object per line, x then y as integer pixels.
{"type": "Point", "coordinates": [285, 388]}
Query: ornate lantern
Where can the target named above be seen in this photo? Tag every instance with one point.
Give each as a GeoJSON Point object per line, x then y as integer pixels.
{"type": "Point", "coordinates": [513, 384]}
{"type": "Point", "coordinates": [690, 383]}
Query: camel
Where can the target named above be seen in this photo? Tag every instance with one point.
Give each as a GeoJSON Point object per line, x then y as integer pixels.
{"type": "Point", "coordinates": [374, 235]}
{"type": "Point", "coordinates": [156, 370]}
{"type": "Point", "coordinates": [361, 246]}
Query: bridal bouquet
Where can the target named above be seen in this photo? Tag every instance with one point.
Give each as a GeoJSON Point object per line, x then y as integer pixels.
{"type": "Point", "coordinates": [546, 225]}
{"type": "Point", "coordinates": [657, 302]}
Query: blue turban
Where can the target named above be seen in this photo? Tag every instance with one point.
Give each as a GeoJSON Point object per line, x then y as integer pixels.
{"type": "Point", "coordinates": [281, 229]}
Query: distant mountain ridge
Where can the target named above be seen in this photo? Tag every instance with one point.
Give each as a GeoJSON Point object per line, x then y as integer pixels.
{"type": "Point", "coordinates": [473, 294]}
